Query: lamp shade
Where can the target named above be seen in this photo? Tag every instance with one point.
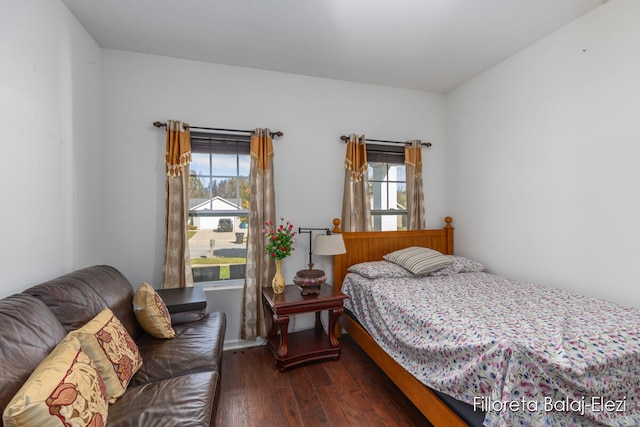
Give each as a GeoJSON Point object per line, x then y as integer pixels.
{"type": "Point", "coordinates": [329, 244]}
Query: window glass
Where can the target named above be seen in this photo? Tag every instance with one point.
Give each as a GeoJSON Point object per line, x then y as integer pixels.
{"type": "Point", "coordinates": [200, 163]}
{"type": "Point", "coordinates": [225, 164]}
{"type": "Point", "coordinates": [244, 166]}
{"type": "Point", "coordinates": [218, 212]}
{"type": "Point", "coordinates": [388, 195]}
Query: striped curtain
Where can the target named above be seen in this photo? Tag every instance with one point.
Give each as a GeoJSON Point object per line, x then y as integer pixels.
{"type": "Point", "coordinates": [176, 272]}
{"type": "Point", "coordinates": [415, 194]}
{"type": "Point", "coordinates": [356, 208]}
{"type": "Point", "coordinates": [260, 269]}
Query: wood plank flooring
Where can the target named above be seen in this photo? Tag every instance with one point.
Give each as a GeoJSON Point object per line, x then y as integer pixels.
{"type": "Point", "coordinates": [352, 391]}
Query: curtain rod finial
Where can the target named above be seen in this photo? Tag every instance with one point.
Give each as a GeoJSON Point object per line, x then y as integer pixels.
{"type": "Point", "coordinates": [158, 124]}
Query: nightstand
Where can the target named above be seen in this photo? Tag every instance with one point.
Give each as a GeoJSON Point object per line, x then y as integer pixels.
{"type": "Point", "coordinates": [304, 346]}
{"type": "Point", "coordinates": [184, 304]}
{"type": "Point", "coordinates": [183, 299]}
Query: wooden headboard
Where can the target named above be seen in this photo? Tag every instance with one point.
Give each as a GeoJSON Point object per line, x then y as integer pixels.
{"type": "Point", "coordinates": [373, 245]}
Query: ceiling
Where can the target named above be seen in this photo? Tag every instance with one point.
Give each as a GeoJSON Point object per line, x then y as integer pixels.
{"type": "Point", "coordinates": [431, 45]}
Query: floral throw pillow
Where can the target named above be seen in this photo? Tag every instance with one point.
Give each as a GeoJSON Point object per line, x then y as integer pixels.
{"type": "Point", "coordinates": [65, 389]}
{"type": "Point", "coordinates": [152, 313]}
{"type": "Point", "coordinates": [112, 349]}
{"type": "Point", "coordinates": [378, 269]}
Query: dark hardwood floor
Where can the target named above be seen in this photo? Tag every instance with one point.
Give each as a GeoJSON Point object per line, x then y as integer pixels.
{"type": "Point", "coordinates": [352, 391]}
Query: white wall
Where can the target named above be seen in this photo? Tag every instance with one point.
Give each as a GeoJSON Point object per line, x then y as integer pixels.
{"type": "Point", "coordinates": [543, 154]}
{"type": "Point", "coordinates": [312, 112]}
{"type": "Point", "coordinates": [50, 113]}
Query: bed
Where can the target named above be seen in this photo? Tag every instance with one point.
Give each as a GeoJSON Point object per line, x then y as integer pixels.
{"type": "Point", "coordinates": [519, 376]}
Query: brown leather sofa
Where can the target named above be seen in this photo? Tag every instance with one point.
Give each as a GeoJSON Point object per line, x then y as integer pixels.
{"type": "Point", "coordinates": [179, 381]}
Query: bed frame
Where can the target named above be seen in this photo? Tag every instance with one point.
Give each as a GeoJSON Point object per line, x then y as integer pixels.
{"type": "Point", "coordinates": [371, 246]}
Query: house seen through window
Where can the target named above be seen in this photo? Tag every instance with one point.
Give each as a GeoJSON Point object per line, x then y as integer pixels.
{"type": "Point", "coordinates": [387, 187]}
{"type": "Point", "coordinates": [218, 206]}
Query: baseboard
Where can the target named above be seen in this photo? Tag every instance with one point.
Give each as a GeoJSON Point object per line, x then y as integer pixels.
{"type": "Point", "coordinates": [239, 344]}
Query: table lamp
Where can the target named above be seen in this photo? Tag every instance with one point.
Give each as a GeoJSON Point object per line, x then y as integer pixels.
{"type": "Point", "coordinates": [324, 244]}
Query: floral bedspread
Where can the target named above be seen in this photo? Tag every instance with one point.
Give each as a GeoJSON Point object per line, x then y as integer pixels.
{"type": "Point", "coordinates": [525, 354]}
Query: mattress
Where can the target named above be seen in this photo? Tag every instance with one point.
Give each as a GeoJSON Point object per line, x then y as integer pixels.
{"type": "Point", "coordinates": [526, 354]}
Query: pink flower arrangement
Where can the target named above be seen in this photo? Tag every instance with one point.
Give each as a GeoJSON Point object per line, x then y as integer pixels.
{"type": "Point", "coordinates": [279, 240]}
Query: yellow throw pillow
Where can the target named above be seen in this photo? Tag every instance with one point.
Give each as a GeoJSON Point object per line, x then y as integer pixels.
{"type": "Point", "coordinates": [152, 313]}
{"type": "Point", "coordinates": [112, 349]}
{"type": "Point", "coordinates": [65, 389]}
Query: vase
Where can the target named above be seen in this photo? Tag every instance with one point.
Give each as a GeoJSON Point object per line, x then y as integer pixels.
{"type": "Point", "coordinates": [277, 284]}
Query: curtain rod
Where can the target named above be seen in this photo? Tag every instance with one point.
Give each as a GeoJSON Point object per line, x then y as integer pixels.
{"type": "Point", "coordinates": [425, 144]}
{"type": "Point", "coordinates": [160, 124]}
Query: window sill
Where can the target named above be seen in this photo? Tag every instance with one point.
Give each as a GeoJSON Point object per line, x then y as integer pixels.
{"type": "Point", "coordinates": [221, 285]}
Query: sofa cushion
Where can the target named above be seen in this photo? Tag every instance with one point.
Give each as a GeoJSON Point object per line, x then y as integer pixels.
{"type": "Point", "coordinates": [65, 389]}
{"type": "Point", "coordinates": [197, 347]}
{"type": "Point", "coordinates": [78, 297]}
{"type": "Point", "coordinates": [152, 313]}
{"type": "Point", "coordinates": [188, 400]}
{"type": "Point", "coordinates": [28, 333]}
{"type": "Point", "coordinates": [112, 349]}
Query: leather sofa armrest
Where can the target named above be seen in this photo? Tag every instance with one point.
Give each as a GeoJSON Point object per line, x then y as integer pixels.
{"type": "Point", "coordinates": [187, 317]}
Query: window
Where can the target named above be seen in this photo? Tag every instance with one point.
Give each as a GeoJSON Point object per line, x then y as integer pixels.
{"type": "Point", "coordinates": [387, 187]}
{"type": "Point", "coordinates": [218, 206]}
